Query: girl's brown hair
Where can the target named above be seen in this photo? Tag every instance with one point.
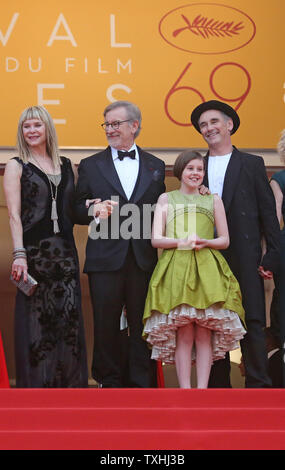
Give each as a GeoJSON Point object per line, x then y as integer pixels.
{"type": "Point", "coordinates": [183, 159]}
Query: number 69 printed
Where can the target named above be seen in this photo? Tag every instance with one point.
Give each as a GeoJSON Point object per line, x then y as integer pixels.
{"type": "Point", "coordinates": [178, 87]}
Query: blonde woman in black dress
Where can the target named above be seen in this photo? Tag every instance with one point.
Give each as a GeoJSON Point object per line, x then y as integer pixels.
{"type": "Point", "coordinates": [39, 187]}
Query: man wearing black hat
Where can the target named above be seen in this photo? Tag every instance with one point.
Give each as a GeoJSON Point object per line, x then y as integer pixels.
{"type": "Point", "coordinates": [240, 179]}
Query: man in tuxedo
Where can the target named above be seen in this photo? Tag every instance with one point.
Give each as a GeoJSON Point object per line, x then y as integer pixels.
{"type": "Point", "coordinates": [240, 179]}
{"type": "Point", "coordinates": [119, 255]}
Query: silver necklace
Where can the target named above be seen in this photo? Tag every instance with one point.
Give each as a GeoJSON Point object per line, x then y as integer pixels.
{"type": "Point", "coordinates": [53, 216]}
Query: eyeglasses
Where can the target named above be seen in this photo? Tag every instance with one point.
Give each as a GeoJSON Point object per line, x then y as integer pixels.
{"type": "Point", "coordinates": [115, 125]}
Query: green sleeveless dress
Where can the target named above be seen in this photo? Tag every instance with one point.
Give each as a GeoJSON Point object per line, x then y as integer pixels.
{"type": "Point", "coordinates": [192, 286]}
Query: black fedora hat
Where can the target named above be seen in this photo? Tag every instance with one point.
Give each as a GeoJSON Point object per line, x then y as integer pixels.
{"type": "Point", "coordinates": [218, 105]}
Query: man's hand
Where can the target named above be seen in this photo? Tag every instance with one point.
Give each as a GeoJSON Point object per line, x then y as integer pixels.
{"type": "Point", "coordinates": [88, 202]}
{"type": "Point", "coordinates": [204, 190]}
{"type": "Point", "coordinates": [265, 274]}
{"type": "Point", "coordinates": [104, 209]}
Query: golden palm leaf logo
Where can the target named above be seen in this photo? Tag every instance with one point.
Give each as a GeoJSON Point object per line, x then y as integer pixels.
{"type": "Point", "coordinates": [207, 28]}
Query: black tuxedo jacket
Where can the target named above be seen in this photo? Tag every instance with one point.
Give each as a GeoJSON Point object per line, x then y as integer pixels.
{"type": "Point", "coordinates": [251, 213]}
{"type": "Point", "coordinates": [98, 178]}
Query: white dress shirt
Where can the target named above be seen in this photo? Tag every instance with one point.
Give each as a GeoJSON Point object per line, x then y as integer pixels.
{"type": "Point", "coordinates": [217, 167]}
{"type": "Point", "coordinates": [127, 169]}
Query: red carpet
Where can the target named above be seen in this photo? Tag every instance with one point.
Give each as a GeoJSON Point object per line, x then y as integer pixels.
{"type": "Point", "coordinates": [161, 419]}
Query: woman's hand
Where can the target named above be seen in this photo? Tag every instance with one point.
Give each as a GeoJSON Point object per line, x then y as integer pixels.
{"type": "Point", "coordinates": [20, 267]}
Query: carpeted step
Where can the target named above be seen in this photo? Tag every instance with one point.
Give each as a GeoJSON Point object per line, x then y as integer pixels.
{"type": "Point", "coordinates": [142, 419]}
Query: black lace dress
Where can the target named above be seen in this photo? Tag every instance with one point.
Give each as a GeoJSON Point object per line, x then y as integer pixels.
{"type": "Point", "coordinates": [49, 333]}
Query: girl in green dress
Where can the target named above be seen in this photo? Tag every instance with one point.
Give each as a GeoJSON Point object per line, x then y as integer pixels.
{"type": "Point", "coordinates": [193, 308]}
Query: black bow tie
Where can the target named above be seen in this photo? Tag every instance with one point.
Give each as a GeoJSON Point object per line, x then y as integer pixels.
{"type": "Point", "coordinates": [122, 155]}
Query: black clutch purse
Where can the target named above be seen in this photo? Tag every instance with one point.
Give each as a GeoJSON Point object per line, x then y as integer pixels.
{"type": "Point", "coordinates": [29, 287]}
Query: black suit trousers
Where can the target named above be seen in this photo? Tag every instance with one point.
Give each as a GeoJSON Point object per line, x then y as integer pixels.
{"type": "Point", "coordinates": [110, 291]}
{"type": "Point", "coordinates": [253, 347]}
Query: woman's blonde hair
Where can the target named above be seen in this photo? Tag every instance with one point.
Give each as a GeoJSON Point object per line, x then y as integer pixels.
{"type": "Point", "coordinates": [281, 146]}
{"type": "Point", "coordinates": [38, 112]}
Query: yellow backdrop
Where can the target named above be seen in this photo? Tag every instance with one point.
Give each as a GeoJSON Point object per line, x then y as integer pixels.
{"type": "Point", "coordinates": [165, 55]}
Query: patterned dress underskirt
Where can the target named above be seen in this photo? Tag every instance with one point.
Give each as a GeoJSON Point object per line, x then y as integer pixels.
{"type": "Point", "coordinates": [226, 327]}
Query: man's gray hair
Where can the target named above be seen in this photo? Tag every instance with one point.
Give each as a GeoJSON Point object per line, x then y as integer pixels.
{"type": "Point", "coordinates": [132, 110]}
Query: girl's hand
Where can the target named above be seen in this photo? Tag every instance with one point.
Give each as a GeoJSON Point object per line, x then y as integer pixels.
{"type": "Point", "coordinates": [20, 267]}
{"type": "Point", "coordinates": [200, 243]}
{"type": "Point", "coordinates": [192, 242]}
{"type": "Point", "coordinates": [187, 243]}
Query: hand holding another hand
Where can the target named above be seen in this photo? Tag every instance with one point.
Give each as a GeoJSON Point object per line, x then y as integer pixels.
{"type": "Point", "coordinates": [200, 243]}
{"type": "Point", "coordinates": [192, 242]}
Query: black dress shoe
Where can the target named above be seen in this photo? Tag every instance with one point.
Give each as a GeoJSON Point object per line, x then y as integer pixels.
{"type": "Point", "coordinates": [108, 386]}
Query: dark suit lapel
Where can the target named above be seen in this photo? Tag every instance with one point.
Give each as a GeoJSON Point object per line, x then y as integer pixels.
{"type": "Point", "coordinates": [144, 179]}
{"type": "Point", "coordinates": [206, 180]}
{"type": "Point", "coordinates": [231, 178]}
{"type": "Point", "coordinates": [108, 170]}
